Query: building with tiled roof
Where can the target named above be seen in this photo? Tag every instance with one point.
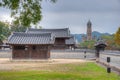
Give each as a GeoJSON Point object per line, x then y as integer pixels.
{"type": "Point", "coordinates": [37, 43]}
{"type": "Point", "coordinates": [61, 35]}
{"type": "Point", "coordinates": [31, 45]}
{"type": "Point", "coordinates": [70, 43]}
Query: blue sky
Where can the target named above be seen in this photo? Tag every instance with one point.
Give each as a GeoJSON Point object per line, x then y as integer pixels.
{"type": "Point", "coordinates": [74, 14]}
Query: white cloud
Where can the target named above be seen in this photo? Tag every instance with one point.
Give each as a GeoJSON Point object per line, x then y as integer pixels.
{"type": "Point", "coordinates": [77, 21]}
{"type": "Point", "coordinates": [6, 18]}
{"type": "Point", "coordinates": [5, 15]}
{"type": "Point", "coordinates": [66, 13]}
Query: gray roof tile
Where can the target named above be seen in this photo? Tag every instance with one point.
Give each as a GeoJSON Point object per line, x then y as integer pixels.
{"type": "Point", "coordinates": [30, 38]}
{"type": "Point", "coordinates": [71, 40]}
{"type": "Point", "coordinates": [55, 32]}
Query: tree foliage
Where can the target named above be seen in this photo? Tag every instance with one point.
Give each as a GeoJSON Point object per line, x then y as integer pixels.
{"type": "Point", "coordinates": [117, 36]}
{"type": "Point", "coordinates": [110, 40]}
{"type": "Point", "coordinates": [88, 44]}
{"type": "Point", "coordinates": [24, 12]}
{"type": "Point", "coordinates": [4, 30]}
{"type": "Point", "coordinates": [15, 28]}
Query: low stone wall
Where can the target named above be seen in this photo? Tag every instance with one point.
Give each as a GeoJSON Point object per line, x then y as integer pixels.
{"type": "Point", "coordinates": [114, 60]}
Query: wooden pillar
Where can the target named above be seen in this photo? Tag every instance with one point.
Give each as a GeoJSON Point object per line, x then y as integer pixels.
{"type": "Point", "coordinates": [12, 51]}
{"type": "Point", "coordinates": [30, 52]}
{"type": "Point", "coordinates": [48, 52]}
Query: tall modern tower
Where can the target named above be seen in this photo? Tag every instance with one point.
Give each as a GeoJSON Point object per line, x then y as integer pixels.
{"type": "Point", "coordinates": [89, 30]}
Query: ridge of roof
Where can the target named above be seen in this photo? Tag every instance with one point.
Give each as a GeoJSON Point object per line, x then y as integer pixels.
{"type": "Point", "coordinates": [23, 33]}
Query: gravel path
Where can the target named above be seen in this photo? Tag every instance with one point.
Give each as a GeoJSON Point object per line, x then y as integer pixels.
{"type": "Point", "coordinates": [6, 64]}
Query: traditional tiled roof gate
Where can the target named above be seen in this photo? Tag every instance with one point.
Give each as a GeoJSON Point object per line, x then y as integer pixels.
{"type": "Point", "coordinates": [30, 45]}
{"type": "Point", "coordinates": [36, 43]}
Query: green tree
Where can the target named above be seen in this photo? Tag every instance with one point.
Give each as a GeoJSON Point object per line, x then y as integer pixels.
{"type": "Point", "coordinates": [15, 28]}
{"type": "Point", "coordinates": [4, 30]}
{"type": "Point", "coordinates": [109, 39]}
{"type": "Point", "coordinates": [88, 44]}
{"type": "Point", "coordinates": [24, 12]}
{"type": "Point", "coordinates": [117, 36]}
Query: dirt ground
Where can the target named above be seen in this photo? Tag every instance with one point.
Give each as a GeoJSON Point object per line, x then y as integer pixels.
{"type": "Point", "coordinates": [7, 64]}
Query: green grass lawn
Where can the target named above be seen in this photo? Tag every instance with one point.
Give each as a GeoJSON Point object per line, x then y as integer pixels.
{"type": "Point", "coordinates": [71, 71]}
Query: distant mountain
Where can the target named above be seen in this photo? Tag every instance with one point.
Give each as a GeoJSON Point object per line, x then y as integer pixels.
{"type": "Point", "coordinates": [78, 37]}
{"type": "Point", "coordinates": [98, 34]}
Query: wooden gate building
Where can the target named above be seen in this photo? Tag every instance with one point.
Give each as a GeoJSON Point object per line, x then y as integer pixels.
{"type": "Point", "coordinates": [30, 45]}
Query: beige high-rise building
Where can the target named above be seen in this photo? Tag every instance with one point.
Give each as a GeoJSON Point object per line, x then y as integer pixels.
{"type": "Point", "coordinates": [89, 30]}
{"type": "Point", "coordinates": [88, 35]}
